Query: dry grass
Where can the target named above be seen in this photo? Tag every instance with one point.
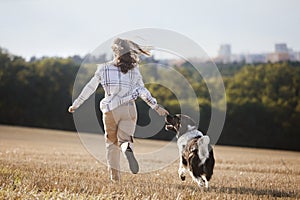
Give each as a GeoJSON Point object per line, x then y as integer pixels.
{"type": "Point", "coordinates": [47, 164]}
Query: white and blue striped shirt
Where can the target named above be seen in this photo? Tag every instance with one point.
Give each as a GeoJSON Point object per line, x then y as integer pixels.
{"type": "Point", "coordinates": [119, 88]}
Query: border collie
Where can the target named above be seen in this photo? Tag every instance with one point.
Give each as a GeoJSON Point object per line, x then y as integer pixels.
{"type": "Point", "coordinates": [196, 155]}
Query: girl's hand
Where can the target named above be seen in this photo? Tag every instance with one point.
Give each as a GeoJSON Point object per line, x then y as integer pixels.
{"type": "Point", "coordinates": [160, 110]}
{"type": "Point", "coordinates": [71, 109]}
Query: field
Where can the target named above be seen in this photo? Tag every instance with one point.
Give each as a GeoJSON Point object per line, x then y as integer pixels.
{"type": "Point", "coordinates": [48, 164]}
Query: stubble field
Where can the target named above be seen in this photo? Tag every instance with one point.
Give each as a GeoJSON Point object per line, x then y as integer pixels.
{"type": "Point", "coordinates": [48, 164]}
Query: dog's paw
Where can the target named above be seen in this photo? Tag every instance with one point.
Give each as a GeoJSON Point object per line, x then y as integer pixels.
{"type": "Point", "coordinates": [182, 177]}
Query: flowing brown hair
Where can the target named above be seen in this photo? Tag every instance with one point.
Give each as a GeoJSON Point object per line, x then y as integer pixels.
{"type": "Point", "coordinates": [127, 54]}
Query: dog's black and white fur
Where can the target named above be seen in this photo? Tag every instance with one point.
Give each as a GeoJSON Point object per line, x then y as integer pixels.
{"type": "Point", "coordinates": [196, 155]}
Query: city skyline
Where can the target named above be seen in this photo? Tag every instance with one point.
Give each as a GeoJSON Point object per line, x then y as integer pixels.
{"type": "Point", "coordinates": [281, 52]}
{"type": "Point", "coordinates": [224, 55]}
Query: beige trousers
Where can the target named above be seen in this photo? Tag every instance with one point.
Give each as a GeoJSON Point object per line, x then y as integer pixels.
{"type": "Point", "coordinates": [119, 127]}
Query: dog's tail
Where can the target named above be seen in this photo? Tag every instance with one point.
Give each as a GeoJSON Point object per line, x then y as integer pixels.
{"type": "Point", "coordinates": [203, 151]}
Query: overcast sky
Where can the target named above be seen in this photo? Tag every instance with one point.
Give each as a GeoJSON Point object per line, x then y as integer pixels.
{"type": "Point", "coordinates": [68, 27]}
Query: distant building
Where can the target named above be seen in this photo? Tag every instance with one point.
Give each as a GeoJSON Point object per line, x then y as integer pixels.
{"type": "Point", "coordinates": [238, 58]}
{"type": "Point", "coordinates": [255, 58]}
{"type": "Point", "coordinates": [224, 54]}
{"type": "Point", "coordinates": [294, 55]}
{"type": "Point", "coordinates": [297, 56]}
{"type": "Point", "coordinates": [281, 53]}
{"type": "Point", "coordinates": [281, 48]}
{"type": "Point", "coordinates": [278, 57]}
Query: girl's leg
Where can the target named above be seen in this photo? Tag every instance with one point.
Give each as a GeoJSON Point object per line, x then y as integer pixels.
{"type": "Point", "coordinates": [112, 148]}
{"type": "Point", "coordinates": [126, 128]}
{"type": "Point", "coordinates": [127, 123]}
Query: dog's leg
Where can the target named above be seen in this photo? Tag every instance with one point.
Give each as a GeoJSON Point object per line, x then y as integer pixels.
{"type": "Point", "coordinates": [205, 181]}
{"type": "Point", "coordinates": [182, 168]}
{"type": "Point", "coordinates": [198, 180]}
{"type": "Point", "coordinates": [201, 181]}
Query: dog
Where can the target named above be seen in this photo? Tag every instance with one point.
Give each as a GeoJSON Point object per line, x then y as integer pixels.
{"type": "Point", "coordinates": [196, 154]}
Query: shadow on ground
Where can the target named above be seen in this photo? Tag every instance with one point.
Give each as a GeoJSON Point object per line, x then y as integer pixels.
{"type": "Point", "coordinates": [242, 190]}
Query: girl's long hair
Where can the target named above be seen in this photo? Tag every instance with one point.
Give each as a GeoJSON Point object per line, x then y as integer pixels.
{"type": "Point", "coordinates": [127, 54]}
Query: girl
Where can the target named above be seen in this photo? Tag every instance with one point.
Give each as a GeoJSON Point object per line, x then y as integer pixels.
{"type": "Point", "coordinates": [123, 84]}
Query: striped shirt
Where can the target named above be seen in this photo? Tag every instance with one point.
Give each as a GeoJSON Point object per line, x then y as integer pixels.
{"type": "Point", "coordinates": [119, 88]}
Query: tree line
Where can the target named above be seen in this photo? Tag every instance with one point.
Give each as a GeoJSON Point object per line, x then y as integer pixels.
{"type": "Point", "coordinates": [263, 104]}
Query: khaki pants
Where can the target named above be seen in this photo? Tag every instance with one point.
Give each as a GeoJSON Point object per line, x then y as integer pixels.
{"type": "Point", "coordinates": [119, 126]}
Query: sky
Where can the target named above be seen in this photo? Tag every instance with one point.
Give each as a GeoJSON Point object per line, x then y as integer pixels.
{"type": "Point", "coordinates": [69, 27]}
